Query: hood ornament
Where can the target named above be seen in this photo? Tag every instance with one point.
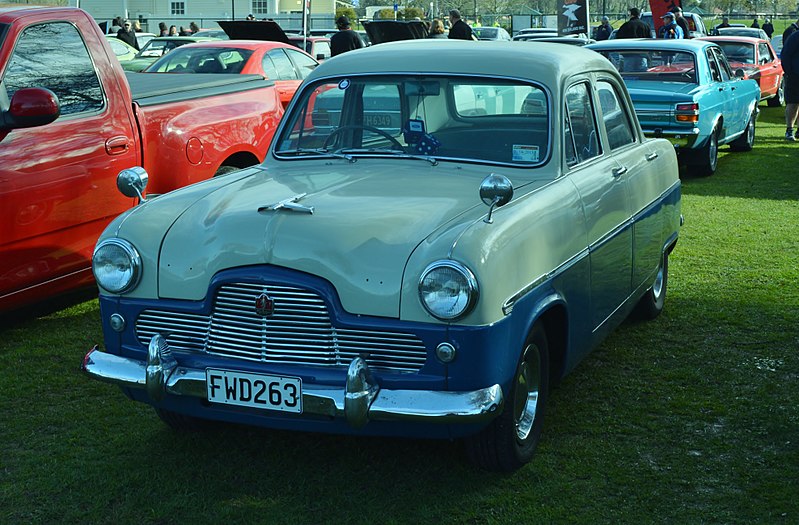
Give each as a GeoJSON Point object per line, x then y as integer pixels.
{"type": "Point", "coordinates": [288, 204]}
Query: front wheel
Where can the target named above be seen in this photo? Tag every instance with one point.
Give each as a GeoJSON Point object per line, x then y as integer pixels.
{"type": "Point", "coordinates": [509, 441]}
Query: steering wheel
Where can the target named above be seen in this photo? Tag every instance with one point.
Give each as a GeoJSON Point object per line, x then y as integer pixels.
{"type": "Point", "coordinates": [394, 142]}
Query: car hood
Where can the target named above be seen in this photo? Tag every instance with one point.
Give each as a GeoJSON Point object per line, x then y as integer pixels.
{"type": "Point", "coordinates": [363, 228]}
{"type": "Point", "coordinates": [381, 31]}
{"type": "Point", "coordinates": [254, 30]}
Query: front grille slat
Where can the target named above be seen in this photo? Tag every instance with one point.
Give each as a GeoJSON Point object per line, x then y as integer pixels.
{"type": "Point", "coordinates": [298, 332]}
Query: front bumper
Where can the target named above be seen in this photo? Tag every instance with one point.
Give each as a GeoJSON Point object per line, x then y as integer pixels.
{"type": "Point", "coordinates": [360, 401]}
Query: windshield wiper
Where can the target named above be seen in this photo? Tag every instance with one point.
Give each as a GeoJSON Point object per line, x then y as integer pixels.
{"type": "Point", "coordinates": [394, 152]}
{"type": "Point", "coordinates": [320, 151]}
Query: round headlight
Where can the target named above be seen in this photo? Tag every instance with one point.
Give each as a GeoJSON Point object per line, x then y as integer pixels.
{"type": "Point", "coordinates": [116, 265]}
{"type": "Point", "coordinates": [448, 290]}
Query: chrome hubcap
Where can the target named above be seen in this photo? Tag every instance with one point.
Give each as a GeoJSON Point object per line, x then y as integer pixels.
{"type": "Point", "coordinates": [526, 399]}
{"type": "Point", "coordinates": [657, 287]}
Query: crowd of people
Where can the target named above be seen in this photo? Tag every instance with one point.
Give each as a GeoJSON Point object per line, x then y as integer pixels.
{"type": "Point", "coordinates": [126, 30]}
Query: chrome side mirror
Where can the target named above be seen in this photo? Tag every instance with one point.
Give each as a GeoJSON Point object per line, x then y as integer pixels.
{"type": "Point", "coordinates": [495, 191]}
{"type": "Point", "coordinates": [132, 182]}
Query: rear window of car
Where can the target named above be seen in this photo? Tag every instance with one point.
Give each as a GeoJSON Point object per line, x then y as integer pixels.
{"type": "Point", "coordinates": [653, 65]}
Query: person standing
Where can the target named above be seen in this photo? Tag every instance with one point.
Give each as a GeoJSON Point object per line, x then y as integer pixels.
{"type": "Point", "coordinates": [194, 28]}
{"type": "Point", "coordinates": [162, 31]}
{"type": "Point", "coordinates": [436, 29]}
{"type": "Point", "coordinates": [173, 31]}
{"type": "Point", "coordinates": [634, 27]}
{"type": "Point", "coordinates": [755, 24]}
{"type": "Point", "coordinates": [682, 22]}
{"type": "Point", "coordinates": [458, 29]}
{"type": "Point", "coordinates": [604, 30]}
{"type": "Point", "coordinates": [670, 29]}
{"type": "Point", "coordinates": [768, 27]}
{"type": "Point", "coordinates": [346, 39]}
{"type": "Point", "coordinates": [790, 68]}
{"type": "Point", "coordinates": [127, 35]}
{"type": "Point", "coordinates": [791, 29]}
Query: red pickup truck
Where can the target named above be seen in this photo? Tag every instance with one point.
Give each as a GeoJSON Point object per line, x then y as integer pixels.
{"type": "Point", "coordinates": [71, 119]}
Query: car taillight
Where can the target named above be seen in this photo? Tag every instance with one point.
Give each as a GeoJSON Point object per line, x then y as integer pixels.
{"type": "Point", "coordinates": [687, 112]}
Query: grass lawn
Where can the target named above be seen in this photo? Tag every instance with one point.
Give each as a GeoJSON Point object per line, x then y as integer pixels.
{"type": "Point", "coordinates": [691, 418]}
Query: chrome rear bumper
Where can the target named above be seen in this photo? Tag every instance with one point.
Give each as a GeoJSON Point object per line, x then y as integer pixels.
{"type": "Point", "coordinates": [360, 401]}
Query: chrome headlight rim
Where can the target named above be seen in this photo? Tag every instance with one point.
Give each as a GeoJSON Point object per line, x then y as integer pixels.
{"type": "Point", "coordinates": [470, 280]}
{"type": "Point", "coordinates": [133, 257]}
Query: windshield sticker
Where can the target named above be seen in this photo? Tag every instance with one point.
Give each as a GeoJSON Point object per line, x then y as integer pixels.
{"type": "Point", "coordinates": [525, 153]}
{"type": "Point", "coordinates": [344, 84]}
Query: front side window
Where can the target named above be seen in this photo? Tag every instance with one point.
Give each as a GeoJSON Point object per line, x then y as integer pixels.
{"type": "Point", "coordinates": [303, 62]}
{"type": "Point", "coordinates": [499, 121]}
{"type": "Point", "coordinates": [68, 72]}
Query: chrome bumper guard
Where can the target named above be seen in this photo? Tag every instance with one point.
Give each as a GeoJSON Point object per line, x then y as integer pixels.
{"type": "Point", "coordinates": [362, 400]}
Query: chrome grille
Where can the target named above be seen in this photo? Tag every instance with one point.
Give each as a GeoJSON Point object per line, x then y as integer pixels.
{"type": "Point", "coordinates": [299, 331]}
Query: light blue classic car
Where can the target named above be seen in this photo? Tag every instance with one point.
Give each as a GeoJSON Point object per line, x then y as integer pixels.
{"type": "Point", "coordinates": [425, 272]}
{"type": "Point", "coordinates": [686, 91]}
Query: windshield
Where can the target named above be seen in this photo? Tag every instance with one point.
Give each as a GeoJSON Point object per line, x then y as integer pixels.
{"type": "Point", "coordinates": [653, 65]}
{"type": "Point", "coordinates": [202, 60]}
{"type": "Point", "coordinates": [482, 120]}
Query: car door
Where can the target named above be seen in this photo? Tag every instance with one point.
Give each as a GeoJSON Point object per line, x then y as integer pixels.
{"type": "Point", "coordinates": [734, 109]}
{"type": "Point", "coordinates": [58, 181]}
{"type": "Point", "coordinates": [639, 167]}
{"type": "Point", "coordinates": [602, 184]}
{"type": "Point", "coordinates": [770, 70]}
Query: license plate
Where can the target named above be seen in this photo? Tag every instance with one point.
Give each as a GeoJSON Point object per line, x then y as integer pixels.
{"type": "Point", "coordinates": [262, 391]}
{"type": "Point", "coordinates": [377, 120]}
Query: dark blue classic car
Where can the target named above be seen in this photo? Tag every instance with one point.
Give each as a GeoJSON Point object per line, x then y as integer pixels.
{"type": "Point", "coordinates": [686, 91]}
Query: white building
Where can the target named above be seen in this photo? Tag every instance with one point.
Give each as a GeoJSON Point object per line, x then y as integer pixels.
{"type": "Point", "coordinates": [206, 12]}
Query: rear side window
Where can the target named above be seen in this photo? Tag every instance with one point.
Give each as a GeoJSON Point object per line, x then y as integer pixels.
{"type": "Point", "coordinates": [53, 56]}
{"type": "Point", "coordinates": [581, 140]}
{"type": "Point", "coordinates": [614, 116]}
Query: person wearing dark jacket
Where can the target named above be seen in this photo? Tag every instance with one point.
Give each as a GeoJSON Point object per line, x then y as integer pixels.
{"type": "Point", "coordinates": [682, 22]}
{"type": "Point", "coordinates": [791, 29]}
{"type": "Point", "coordinates": [346, 39]}
{"type": "Point", "coordinates": [604, 29]}
{"type": "Point", "coordinates": [634, 27]}
{"type": "Point", "coordinates": [790, 67]}
{"type": "Point", "coordinates": [127, 35]}
{"type": "Point", "coordinates": [768, 27]}
{"type": "Point", "coordinates": [458, 29]}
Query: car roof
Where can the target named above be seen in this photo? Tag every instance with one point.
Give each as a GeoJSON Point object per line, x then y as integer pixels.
{"type": "Point", "coordinates": [680, 44]}
{"type": "Point", "coordinates": [241, 44]}
{"type": "Point", "coordinates": [547, 62]}
{"type": "Point", "coordinates": [747, 39]}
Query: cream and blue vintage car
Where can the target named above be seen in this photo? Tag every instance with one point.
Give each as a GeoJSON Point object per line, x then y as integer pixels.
{"type": "Point", "coordinates": [439, 232]}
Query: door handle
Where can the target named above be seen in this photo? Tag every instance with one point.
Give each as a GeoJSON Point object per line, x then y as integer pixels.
{"type": "Point", "coordinates": [651, 156]}
{"type": "Point", "coordinates": [117, 145]}
{"type": "Point", "coordinates": [618, 172]}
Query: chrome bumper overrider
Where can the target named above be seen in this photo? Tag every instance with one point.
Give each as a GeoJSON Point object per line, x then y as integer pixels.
{"type": "Point", "coordinates": [361, 400]}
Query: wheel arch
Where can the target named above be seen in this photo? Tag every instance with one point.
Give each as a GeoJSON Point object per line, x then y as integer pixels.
{"type": "Point", "coordinates": [241, 159]}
